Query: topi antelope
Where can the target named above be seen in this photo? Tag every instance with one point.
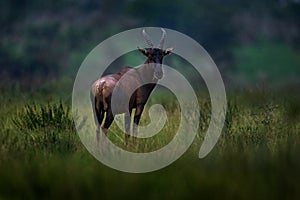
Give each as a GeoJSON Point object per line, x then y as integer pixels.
{"type": "Point", "coordinates": [102, 89]}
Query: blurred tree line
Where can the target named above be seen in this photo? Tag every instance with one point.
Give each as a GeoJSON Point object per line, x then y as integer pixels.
{"type": "Point", "coordinates": [51, 38]}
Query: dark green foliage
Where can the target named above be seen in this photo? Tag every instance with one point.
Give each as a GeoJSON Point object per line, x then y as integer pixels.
{"type": "Point", "coordinates": [51, 39]}
{"type": "Point", "coordinates": [265, 62]}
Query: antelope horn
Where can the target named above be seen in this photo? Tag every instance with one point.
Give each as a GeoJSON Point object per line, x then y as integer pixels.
{"type": "Point", "coordinates": [162, 40]}
{"type": "Point", "coordinates": [147, 38]}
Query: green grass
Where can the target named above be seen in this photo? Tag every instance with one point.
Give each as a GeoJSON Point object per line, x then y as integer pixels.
{"type": "Point", "coordinates": [256, 157]}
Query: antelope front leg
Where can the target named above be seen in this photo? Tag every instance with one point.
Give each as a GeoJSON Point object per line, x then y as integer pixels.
{"type": "Point", "coordinates": [98, 134]}
{"type": "Point", "coordinates": [127, 127]}
{"type": "Point", "coordinates": [135, 127]}
{"type": "Point", "coordinates": [137, 117]}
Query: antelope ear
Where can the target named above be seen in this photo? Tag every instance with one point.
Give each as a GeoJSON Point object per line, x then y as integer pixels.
{"type": "Point", "coordinates": [143, 51]}
{"type": "Point", "coordinates": [168, 51]}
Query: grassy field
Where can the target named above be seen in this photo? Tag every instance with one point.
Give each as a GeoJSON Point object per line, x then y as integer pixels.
{"type": "Point", "coordinates": [257, 156]}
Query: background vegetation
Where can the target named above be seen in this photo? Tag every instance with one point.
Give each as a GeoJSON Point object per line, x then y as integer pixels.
{"type": "Point", "coordinates": [256, 45]}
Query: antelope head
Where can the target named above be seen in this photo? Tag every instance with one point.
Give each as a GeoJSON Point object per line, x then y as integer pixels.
{"type": "Point", "coordinates": [155, 55]}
